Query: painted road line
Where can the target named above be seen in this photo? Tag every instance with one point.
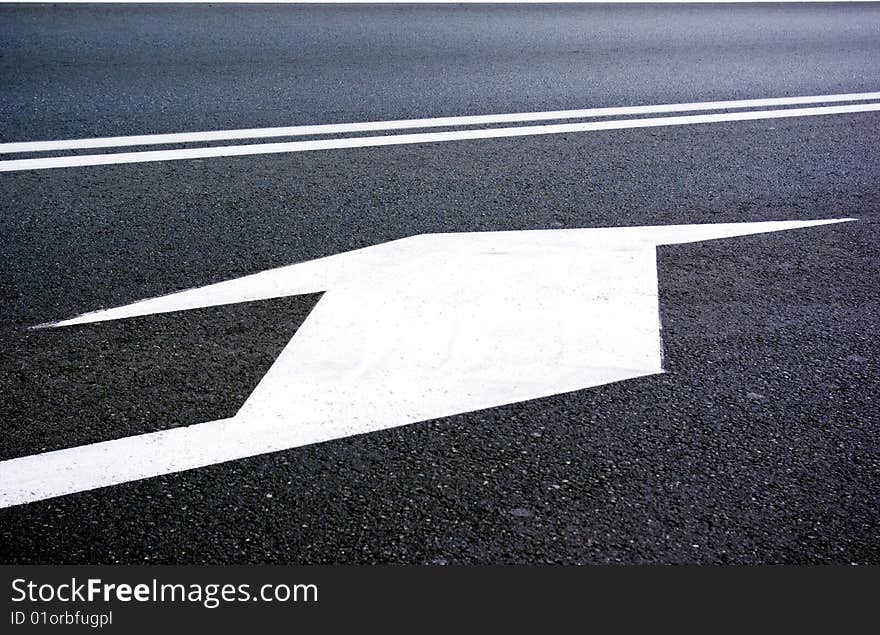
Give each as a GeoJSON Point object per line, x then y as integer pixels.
{"type": "Point", "coordinates": [407, 331]}
{"type": "Point", "coordinates": [405, 124]}
{"type": "Point", "coordinates": [419, 138]}
{"type": "Point", "coordinates": [449, 1]}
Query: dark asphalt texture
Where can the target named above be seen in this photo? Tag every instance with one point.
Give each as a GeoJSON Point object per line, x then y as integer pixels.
{"type": "Point", "coordinates": [70, 71]}
{"type": "Point", "coordinates": [760, 443]}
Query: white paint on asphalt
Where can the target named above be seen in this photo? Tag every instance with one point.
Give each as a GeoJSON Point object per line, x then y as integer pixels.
{"type": "Point", "coordinates": [409, 124]}
{"type": "Point", "coordinates": [417, 138]}
{"type": "Point", "coordinates": [445, 1]}
{"type": "Point", "coordinates": [411, 330]}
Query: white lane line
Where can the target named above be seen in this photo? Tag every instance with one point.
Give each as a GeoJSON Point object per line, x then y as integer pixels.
{"type": "Point", "coordinates": [434, 122]}
{"type": "Point", "coordinates": [428, 137]}
{"type": "Point", "coordinates": [446, 1]}
{"type": "Point", "coordinates": [407, 331]}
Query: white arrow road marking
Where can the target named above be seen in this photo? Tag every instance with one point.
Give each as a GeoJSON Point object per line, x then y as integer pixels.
{"type": "Point", "coordinates": [407, 331]}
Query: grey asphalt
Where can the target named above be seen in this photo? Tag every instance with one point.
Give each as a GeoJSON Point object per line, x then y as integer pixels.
{"type": "Point", "coordinates": [759, 444]}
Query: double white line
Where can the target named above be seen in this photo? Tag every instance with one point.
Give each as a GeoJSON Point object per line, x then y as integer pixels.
{"type": "Point", "coordinates": [465, 128]}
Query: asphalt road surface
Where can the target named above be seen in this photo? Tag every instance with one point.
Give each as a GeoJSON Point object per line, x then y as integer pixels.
{"type": "Point", "coordinates": [760, 443]}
